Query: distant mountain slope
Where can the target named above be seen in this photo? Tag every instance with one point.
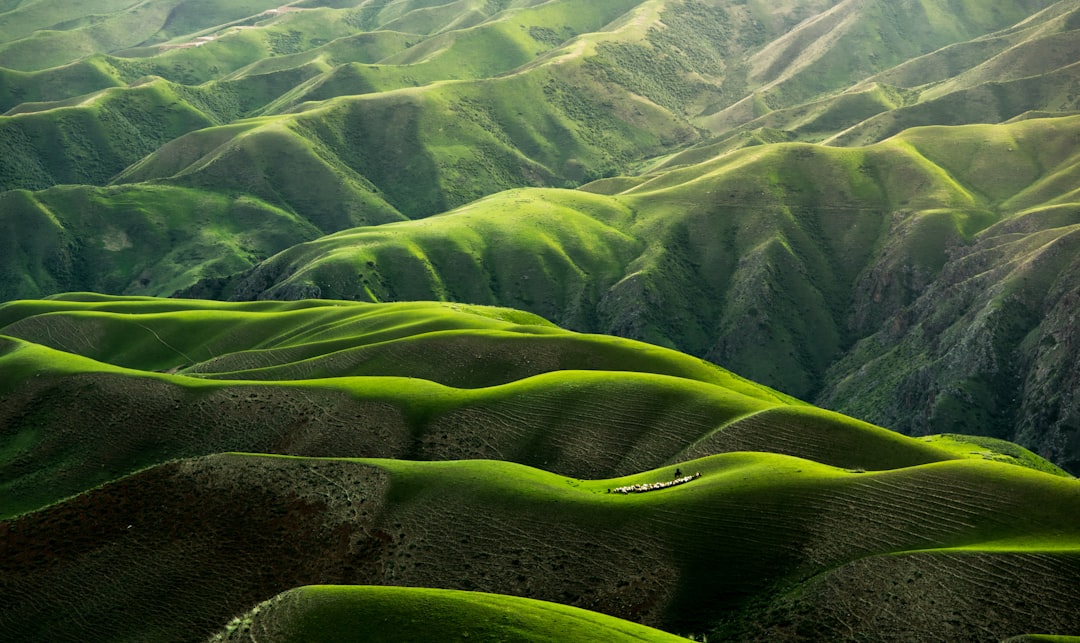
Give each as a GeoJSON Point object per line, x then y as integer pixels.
{"type": "Point", "coordinates": [376, 112]}
{"type": "Point", "coordinates": [795, 265]}
{"type": "Point", "coordinates": [540, 93]}
{"type": "Point", "coordinates": [143, 238]}
{"type": "Point", "coordinates": [176, 551]}
{"type": "Point", "coordinates": [92, 139]}
{"type": "Point", "coordinates": [856, 40]}
{"type": "Point", "coordinates": [662, 257]}
{"type": "Point", "coordinates": [1030, 67]}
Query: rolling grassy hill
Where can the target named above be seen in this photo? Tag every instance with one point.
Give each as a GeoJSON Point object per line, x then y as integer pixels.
{"type": "Point", "coordinates": [328, 613]}
{"type": "Point", "coordinates": [98, 387]}
{"type": "Point", "coordinates": [792, 265]}
{"type": "Point", "coordinates": [510, 439]}
{"type": "Point", "coordinates": [501, 94]}
{"type": "Point", "coordinates": [799, 266]}
{"type": "Point", "coordinates": [145, 238]}
{"type": "Point", "coordinates": [183, 542]}
{"type": "Point", "coordinates": [868, 204]}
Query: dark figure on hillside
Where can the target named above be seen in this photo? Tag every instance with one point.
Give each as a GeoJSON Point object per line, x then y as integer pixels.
{"type": "Point", "coordinates": [678, 473]}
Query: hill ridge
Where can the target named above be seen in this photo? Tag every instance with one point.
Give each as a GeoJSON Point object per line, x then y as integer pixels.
{"type": "Point", "coordinates": [681, 578]}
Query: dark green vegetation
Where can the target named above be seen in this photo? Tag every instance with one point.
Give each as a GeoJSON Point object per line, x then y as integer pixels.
{"type": "Point", "coordinates": [766, 205]}
{"type": "Point", "coordinates": [868, 204]}
{"type": "Point", "coordinates": [493, 419]}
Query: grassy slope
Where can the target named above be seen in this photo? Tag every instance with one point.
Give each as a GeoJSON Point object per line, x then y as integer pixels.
{"type": "Point", "coordinates": [145, 238]}
{"type": "Point", "coordinates": [350, 162]}
{"type": "Point", "coordinates": [94, 139]}
{"type": "Point", "coordinates": [46, 33]}
{"type": "Point", "coordinates": [503, 528]}
{"type": "Point", "coordinates": [429, 149]}
{"type": "Point", "coordinates": [990, 78]}
{"type": "Point", "coordinates": [634, 225]}
{"type": "Point", "coordinates": [58, 83]}
{"type": "Point", "coordinates": [335, 378]}
{"type": "Point", "coordinates": [302, 45]}
{"type": "Point", "coordinates": [585, 102]}
{"type": "Point", "coordinates": [239, 83]}
{"type": "Point", "coordinates": [680, 260]}
{"type": "Point", "coordinates": [509, 40]}
{"type": "Point", "coordinates": [773, 260]}
{"type": "Point", "coordinates": [981, 353]}
{"type": "Point", "coordinates": [340, 613]}
{"type": "Point", "coordinates": [554, 252]}
{"type": "Point", "coordinates": [926, 584]}
{"type": "Point", "coordinates": [494, 47]}
{"type": "Point", "coordinates": [857, 40]}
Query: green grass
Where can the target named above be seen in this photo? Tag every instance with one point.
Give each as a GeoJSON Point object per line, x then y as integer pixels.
{"type": "Point", "coordinates": [34, 36]}
{"type": "Point", "coordinates": [58, 83]}
{"type": "Point", "coordinates": [775, 261]}
{"type": "Point", "coordinates": [752, 527]}
{"type": "Point", "coordinates": [421, 151]}
{"type": "Point", "coordinates": [452, 146]}
{"type": "Point", "coordinates": [432, 381]}
{"type": "Point", "coordinates": [146, 238]}
{"type": "Point", "coordinates": [656, 262]}
{"type": "Point", "coordinates": [822, 57]}
{"type": "Point", "coordinates": [329, 613]}
{"type": "Point", "coordinates": [352, 160]}
{"type": "Point", "coordinates": [826, 212]}
{"type": "Point", "coordinates": [895, 280]}
{"type": "Point", "coordinates": [92, 139]}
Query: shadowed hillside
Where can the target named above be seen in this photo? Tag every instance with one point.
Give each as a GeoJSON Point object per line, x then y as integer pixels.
{"type": "Point", "coordinates": [103, 394]}
{"type": "Point", "coordinates": [796, 266]}
{"type": "Point", "coordinates": [184, 543]}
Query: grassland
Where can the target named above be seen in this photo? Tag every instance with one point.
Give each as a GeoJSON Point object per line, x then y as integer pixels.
{"type": "Point", "coordinates": [334, 117]}
{"type": "Point", "coordinates": [482, 444]}
{"type": "Point", "coordinates": [871, 205]}
{"type": "Point", "coordinates": [465, 99]}
{"type": "Point", "coordinates": [791, 264]}
{"type": "Point", "coordinates": [507, 529]}
{"type": "Point", "coordinates": [139, 239]}
{"type": "Point", "coordinates": [98, 387]}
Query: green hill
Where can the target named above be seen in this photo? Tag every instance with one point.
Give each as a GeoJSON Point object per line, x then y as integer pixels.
{"type": "Point", "coordinates": [793, 265]}
{"type": "Point", "coordinates": [851, 41]}
{"type": "Point", "coordinates": [418, 380]}
{"type": "Point", "coordinates": [373, 114]}
{"type": "Point", "coordinates": [91, 139]}
{"type": "Point", "coordinates": [871, 206]}
{"type": "Point", "coordinates": [178, 550]}
{"type": "Point", "coordinates": [143, 239]}
{"type": "Point", "coordinates": [496, 95]}
{"type": "Point", "coordinates": [46, 33]}
{"type": "Point", "coordinates": [344, 613]}
{"type": "Point", "coordinates": [116, 406]}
